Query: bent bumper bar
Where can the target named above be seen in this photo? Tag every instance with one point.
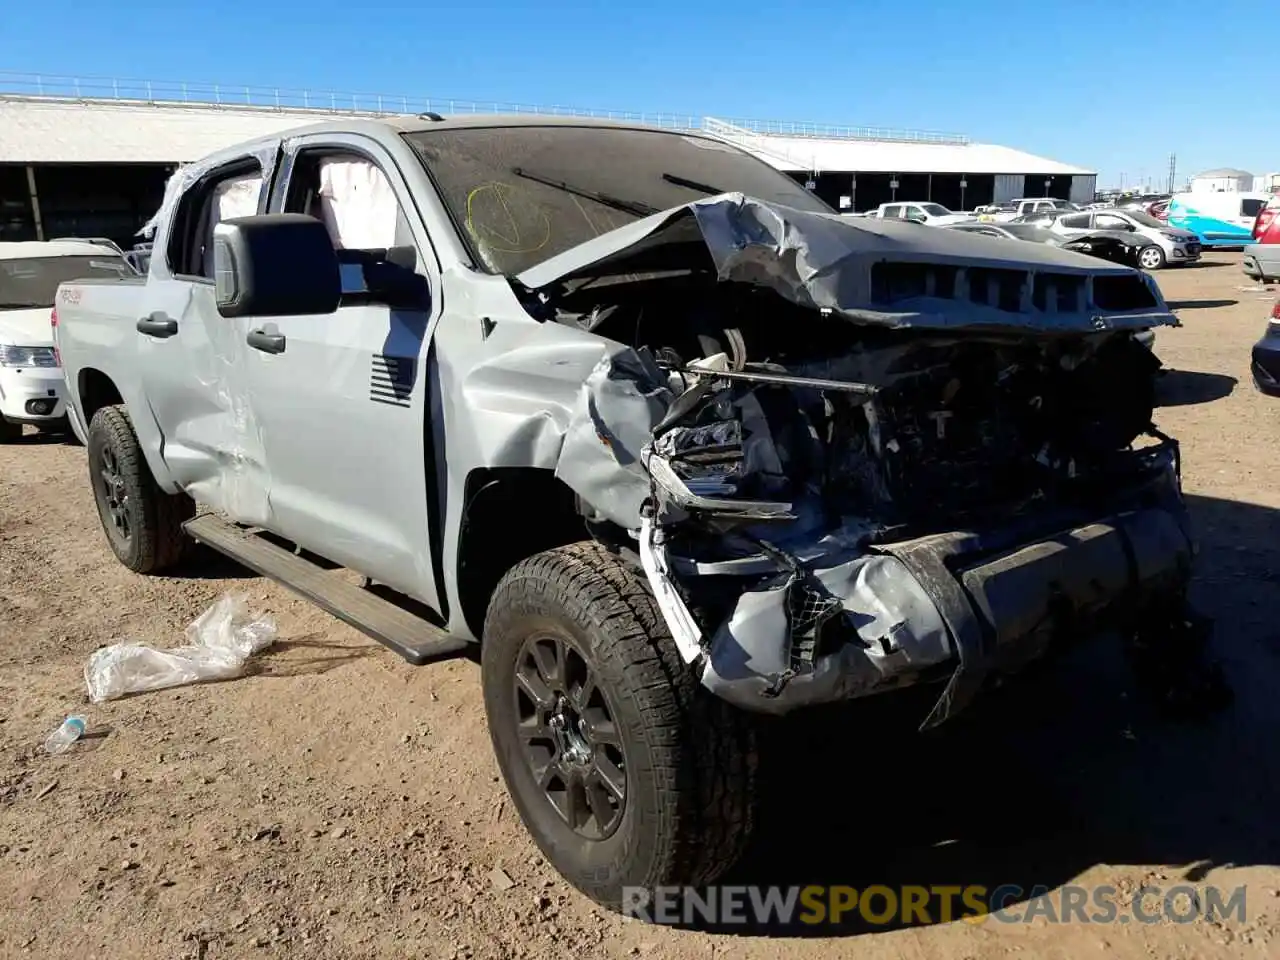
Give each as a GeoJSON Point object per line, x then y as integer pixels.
{"type": "Point", "coordinates": [974, 603]}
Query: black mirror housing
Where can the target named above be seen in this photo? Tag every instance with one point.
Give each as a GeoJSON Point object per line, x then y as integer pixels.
{"type": "Point", "coordinates": [275, 265]}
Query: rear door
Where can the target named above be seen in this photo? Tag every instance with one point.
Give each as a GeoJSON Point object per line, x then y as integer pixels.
{"type": "Point", "coordinates": [1073, 224]}
{"type": "Point", "coordinates": [192, 360]}
{"type": "Point", "coordinates": [342, 400]}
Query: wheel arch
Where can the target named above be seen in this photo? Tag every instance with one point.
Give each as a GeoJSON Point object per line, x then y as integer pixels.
{"type": "Point", "coordinates": [509, 514]}
{"type": "Point", "coordinates": [96, 390]}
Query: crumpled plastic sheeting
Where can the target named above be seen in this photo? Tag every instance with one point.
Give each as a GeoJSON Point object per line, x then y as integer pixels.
{"type": "Point", "coordinates": [219, 643]}
{"type": "Point", "coordinates": [824, 261]}
{"type": "Point", "coordinates": [899, 633]}
{"type": "Point", "coordinates": [621, 402]}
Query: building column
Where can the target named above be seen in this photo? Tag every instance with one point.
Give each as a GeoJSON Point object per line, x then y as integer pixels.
{"type": "Point", "coordinates": [35, 202]}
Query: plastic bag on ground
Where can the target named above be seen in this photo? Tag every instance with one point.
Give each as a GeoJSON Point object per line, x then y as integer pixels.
{"type": "Point", "coordinates": [219, 642]}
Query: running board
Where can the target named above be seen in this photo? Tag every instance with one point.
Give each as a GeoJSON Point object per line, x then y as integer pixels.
{"type": "Point", "coordinates": [417, 640]}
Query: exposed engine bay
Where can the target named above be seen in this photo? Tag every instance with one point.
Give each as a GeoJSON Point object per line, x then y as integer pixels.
{"type": "Point", "coordinates": [828, 508]}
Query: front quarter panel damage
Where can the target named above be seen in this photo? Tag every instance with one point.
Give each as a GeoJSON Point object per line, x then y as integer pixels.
{"type": "Point", "coordinates": [876, 387]}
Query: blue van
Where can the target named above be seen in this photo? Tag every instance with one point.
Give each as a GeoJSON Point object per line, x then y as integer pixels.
{"type": "Point", "coordinates": [1219, 219]}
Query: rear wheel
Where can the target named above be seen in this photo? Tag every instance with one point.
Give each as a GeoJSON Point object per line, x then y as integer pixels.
{"type": "Point", "coordinates": [143, 523]}
{"type": "Point", "coordinates": [1151, 258]}
{"type": "Point", "coordinates": [624, 769]}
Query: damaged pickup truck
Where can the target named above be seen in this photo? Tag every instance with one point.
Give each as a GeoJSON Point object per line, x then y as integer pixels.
{"type": "Point", "coordinates": [676, 442]}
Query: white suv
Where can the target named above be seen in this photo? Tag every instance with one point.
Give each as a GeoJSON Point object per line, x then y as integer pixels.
{"type": "Point", "coordinates": [31, 387]}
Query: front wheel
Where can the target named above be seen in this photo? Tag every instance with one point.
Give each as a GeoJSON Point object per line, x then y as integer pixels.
{"type": "Point", "coordinates": [143, 523]}
{"type": "Point", "coordinates": [1151, 258]}
{"type": "Point", "coordinates": [624, 769]}
{"type": "Point", "coordinates": [9, 432]}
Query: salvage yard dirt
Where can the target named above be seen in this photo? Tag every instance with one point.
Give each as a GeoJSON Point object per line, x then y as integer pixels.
{"type": "Point", "coordinates": [340, 803]}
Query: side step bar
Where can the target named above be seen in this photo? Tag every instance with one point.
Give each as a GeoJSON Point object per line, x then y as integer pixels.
{"type": "Point", "coordinates": [414, 638]}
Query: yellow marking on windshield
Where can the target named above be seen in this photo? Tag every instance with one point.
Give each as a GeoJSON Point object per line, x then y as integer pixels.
{"type": "Point", "coordinates": [505, 235]}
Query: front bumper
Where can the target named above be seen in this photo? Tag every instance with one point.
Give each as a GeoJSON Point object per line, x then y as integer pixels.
{"type": "Point", "coordinates": [32, 394]}
{"type": "Point", "coordinates": [1265, 364]}
{"type": "Point", "coordinates": [1184, 252]}
{"type": "Point", "coordinates": [972, 604]}
{"type": "Point", "coordinates": [1261, 261]}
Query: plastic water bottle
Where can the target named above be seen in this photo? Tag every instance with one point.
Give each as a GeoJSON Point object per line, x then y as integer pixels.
{"type": "Point", "coordinates": [60, 740]}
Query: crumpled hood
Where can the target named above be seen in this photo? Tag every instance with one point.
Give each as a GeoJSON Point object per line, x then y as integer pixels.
{"type": "Point", "coordinates": [26, 328]}
{"type": "Point", "coordinates": [870, 271]}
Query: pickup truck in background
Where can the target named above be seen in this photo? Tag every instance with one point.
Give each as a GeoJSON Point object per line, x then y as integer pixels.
{"type": "Point", "coordinates": [681, 447]}
{"type": "Point", "coordinates": [932, 214]}
{"type": "Point", "coordinates": [31, 383]}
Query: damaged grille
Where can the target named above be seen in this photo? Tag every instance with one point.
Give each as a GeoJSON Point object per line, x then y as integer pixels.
{"type": "Point", "coordinates": [1011, 291]}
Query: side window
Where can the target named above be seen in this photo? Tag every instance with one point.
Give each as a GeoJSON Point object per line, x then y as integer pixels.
{"type": "Point", "coordinates": [1078, 222]}
{"type": "Point", "coordinates": [1251, 207]}
{"type": "Point", "coordinates": [1109, 221]}
{"type": "Point", "coordinates": [352, 196]}
{"type": "Point", "coordinates": [893, 210]}
{"type": "Point", "coordinates": [231, 191]}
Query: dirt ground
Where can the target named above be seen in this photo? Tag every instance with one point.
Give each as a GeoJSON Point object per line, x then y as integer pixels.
{"type": "Point", "coordinates": [340, 803]}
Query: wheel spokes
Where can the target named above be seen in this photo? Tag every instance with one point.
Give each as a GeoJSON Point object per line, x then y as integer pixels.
{"type": "Point", "coordinates": [568, 735]}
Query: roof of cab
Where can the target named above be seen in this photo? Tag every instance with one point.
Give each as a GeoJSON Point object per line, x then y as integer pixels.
{"type": "Point", "coordinates": [413, 123]}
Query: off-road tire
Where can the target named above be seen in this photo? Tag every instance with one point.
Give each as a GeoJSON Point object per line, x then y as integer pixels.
{"type": "Point", "coordinates": [691, 758]}
{"type": "Point", "coordinates": [9, 432]}
{"type": "Point", "coordinates": [156, 541]}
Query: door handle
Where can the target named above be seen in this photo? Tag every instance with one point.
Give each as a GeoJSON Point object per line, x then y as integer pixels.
{"type": "Point", "coordinates": [266, 342]}
{"type": "Point", "coordinates": [158, 325]}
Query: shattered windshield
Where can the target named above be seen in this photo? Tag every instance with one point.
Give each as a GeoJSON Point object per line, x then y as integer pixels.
{"type": "Point", "coordinates": [31, 282]}
{"type": "Point", "coordinates": [522, 194]}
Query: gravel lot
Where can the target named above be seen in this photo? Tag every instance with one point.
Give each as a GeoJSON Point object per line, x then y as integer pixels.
{"type": "Point", "coordinates": [340, 803]}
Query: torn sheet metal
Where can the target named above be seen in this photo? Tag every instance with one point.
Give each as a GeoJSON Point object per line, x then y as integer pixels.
{"type": "Point", "coordinates": [870, 272]}
{"type": "Point", "coordinates": [785, 647]}
{"type": "Point", "coordinates": [622, 401]}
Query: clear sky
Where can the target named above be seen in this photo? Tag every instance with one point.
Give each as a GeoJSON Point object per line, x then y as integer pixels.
{"type": "Point", "coordinates": [1115, 85]}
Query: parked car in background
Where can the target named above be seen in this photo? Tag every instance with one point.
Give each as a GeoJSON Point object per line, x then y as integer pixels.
{"type": "Point", "coordinates": [1167, 245]}
{"type": "Point", "coordinates": [1007, 231]}
{"type": "Point", "coordinates": [992, 211]}
{"type": "Point", "coordinates": [933, 214]}
{"type": "Point", "coordinates": [1116, 246]}
{"type": "Point", "coordinates": [1027, 206]}
{"type": "Point", "coordinates": [1261, 259]}
{"type": "Point", "coordinates": [31, 388]}
{"type": "Point", "coordinates": [1221, 219]}
{"type": "Point", "coordinates": [1266, 356]}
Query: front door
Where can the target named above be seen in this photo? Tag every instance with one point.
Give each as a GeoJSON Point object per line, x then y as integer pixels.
{"type": "Point", "coordinates": [192, 360]}
{"type": "Point", "coordinates": [341, 400]}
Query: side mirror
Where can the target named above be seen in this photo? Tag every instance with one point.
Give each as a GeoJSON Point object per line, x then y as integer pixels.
{"type": "Point", "coordinates": [274, 265]}
{"type": "Point", "coordinates": [385, 277]}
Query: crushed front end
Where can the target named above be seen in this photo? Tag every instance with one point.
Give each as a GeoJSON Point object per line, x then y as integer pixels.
{"type": "Point", "coordinates": [845, 474]}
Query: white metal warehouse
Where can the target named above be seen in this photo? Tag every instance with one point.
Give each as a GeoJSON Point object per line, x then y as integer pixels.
{"type": "Point", "coordinates": [93, 161]}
